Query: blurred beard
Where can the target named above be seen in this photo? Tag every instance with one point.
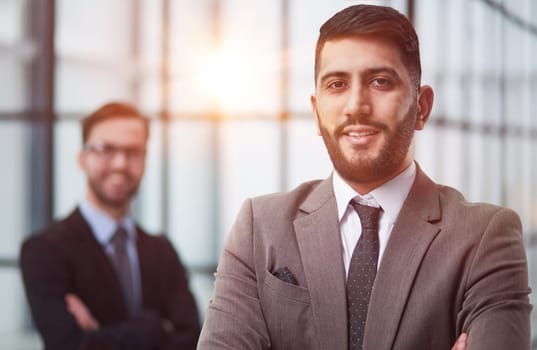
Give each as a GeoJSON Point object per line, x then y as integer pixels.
{"type": "Point", "coordinates": [118, 202]}
{"type": "Point", "coordinates": [362, 167]}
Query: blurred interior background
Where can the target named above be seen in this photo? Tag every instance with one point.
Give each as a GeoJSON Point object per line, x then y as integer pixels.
{"type": "Point", "coordinates": [227, 84]}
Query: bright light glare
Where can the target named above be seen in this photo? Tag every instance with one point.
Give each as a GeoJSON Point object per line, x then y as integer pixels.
{"type": "Point", "coordinates": [226, 76]}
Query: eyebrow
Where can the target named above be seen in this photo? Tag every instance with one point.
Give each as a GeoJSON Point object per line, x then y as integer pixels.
{"type": "Point", "coordinates": [333, 74]}
{"type": "Point", "coordinates": [384, 69]}
{"type": "Point", "coordinates": [370, 71]}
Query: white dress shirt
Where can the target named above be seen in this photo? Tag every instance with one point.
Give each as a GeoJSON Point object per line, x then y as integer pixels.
{"type": "Point", "coordinates": [389, 196]}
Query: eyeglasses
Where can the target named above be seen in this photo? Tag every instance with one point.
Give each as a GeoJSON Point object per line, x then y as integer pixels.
{"type": "Point", "coordinates": [107, 152]}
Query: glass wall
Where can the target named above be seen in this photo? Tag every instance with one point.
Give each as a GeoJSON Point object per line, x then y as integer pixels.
{"type": "Point", "coordinates": [17, 54]}
{"type": "Point", "coordinates": [480, 58]}
{"type": "Point", "coordinates": [227, 85]}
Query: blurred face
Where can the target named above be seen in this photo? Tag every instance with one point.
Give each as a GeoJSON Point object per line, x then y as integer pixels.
{"type": "Point", "coordinates": [114, 160]}
{"type": "Point", "coordinates": [367, 109]}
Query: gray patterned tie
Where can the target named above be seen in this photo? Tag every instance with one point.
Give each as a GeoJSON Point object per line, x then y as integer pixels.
{"type": "Point", "coordinates": [122, 265]}
{"type": "Point", "coordinates": [362, 272]}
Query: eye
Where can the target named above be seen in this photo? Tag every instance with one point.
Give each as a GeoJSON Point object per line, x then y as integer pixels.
{"type": "Point", "coordinates": [135, 153]}
{"type": "Point", "coordinates": [108, 150]}
{"type": "Point", "coordinates": [337, 85]}
{"type": "Point", "coordinates": [381, 82]}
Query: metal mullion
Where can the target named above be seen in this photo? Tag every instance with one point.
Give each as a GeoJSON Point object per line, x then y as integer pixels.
{"type": "Point", "coordinates": [164, 116]}
{"type": "Point", "coordinates": [40, 100]}
{"type": "Point", "coordinates": [284, 94]}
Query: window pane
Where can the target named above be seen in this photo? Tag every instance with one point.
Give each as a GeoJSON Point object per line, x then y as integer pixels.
{"type": "Point", "coordinates": [13, 21]}
{"type": "Point", "coordinates": [12, 70]}
{"type": "Point", "coordinates": [192, 191]}
{"type": "Point", "coordinates": [94, 46]}
{"type": "Point", "coordinates": [307, 156]}
{"type": "Point", "coordinates": [249, 165]}
{"type": "Point", "coordinates": [14, 333]}
{"type": "Point", "coordinates": [14, 205]}
{"type": "Point", "coordinates": [226, 57]}
{"type": "Point", "coordinates": [69, 182]}
{"type": "Point", "coordinates": [15, 53]}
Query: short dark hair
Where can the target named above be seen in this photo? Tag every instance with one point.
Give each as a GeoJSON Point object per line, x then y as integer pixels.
{"type": "Point", "coordinates": [109, 111]}
{"type": "Point", "coordinates": [381, 21]}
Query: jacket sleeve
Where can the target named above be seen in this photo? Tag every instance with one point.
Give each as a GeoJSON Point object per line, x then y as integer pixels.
{"type": "Point", "coordinates": [46, 278]}
{"type": "Point", "coordinates": [496, 308]}
{"type": "Point", "coordinates": [180, 308]}
{"type": "Point", "coordinates": [234, 319]}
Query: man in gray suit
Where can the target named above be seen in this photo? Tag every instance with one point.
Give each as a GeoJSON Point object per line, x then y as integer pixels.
{"type": "Point", "coordinates": [430, 270]}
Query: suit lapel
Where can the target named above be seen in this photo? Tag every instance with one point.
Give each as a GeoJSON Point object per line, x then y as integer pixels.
{"type": "Point", "coordinates": [409, 241]}
{"type": "Point", "coordinates": [317, 231]}
{"type": "Point", "coordinates": [143, 248]}
{"type": "Point", "coordinates": [93, 254]}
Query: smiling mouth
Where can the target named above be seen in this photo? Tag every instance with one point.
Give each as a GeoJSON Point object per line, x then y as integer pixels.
{"type": "Point", "coordinates": [361, 133]}
{"type": "Point", "coordinates": [361, 137]}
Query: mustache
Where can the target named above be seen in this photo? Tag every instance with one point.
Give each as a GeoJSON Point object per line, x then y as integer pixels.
{"type": "Point", "coordinates": [354, 121]}
{"type": "Point", "coordinates": [124, 173]}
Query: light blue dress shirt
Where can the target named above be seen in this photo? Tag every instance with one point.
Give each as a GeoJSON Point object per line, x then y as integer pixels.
{"type": "Point", "coordinates": [104, 227]}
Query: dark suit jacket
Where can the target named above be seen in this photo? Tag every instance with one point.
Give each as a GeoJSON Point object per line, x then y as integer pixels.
{"type": "Point", "coordinates": [66, 258]}
{"type": "Point", "coordinates": [449, 266]}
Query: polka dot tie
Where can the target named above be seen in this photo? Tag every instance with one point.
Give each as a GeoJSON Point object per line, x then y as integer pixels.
{"type": "Point", "coordinates": [362, 272]}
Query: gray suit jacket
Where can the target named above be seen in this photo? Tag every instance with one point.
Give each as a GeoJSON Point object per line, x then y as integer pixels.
{"type": "Point", "coordinates": [449, 266]}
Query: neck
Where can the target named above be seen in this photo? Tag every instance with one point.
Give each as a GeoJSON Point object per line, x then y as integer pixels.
{"type": "Point", "coordinates": [365, 187]}
{"type": "Point", "coordinates": [116, 212]}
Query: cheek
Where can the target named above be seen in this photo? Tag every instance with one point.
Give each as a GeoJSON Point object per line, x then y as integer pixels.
{"type": "Point", "coordinates": [137, 171]}
{"type": "Point", "coordinates": [93, 169]}
{"type": "Point", "coordinates": [329, 117]}
{"type": "Point", "coordinates": [394, 113]}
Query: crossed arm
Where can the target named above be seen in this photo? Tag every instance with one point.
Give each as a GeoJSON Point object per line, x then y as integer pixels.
{"type": "Point", "coordinates": [66, 322]}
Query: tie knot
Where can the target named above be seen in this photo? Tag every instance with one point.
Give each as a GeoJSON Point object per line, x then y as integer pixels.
{"type": "Point", "coordinates": [369, 216]}
{"type": "Point", "coordinates": [120, 237]}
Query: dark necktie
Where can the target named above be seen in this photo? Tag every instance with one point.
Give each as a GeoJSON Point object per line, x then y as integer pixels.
{"type": "Point", "coordinates": [122, 265]}
{"type": "Point", "coordinates": [362, 272]}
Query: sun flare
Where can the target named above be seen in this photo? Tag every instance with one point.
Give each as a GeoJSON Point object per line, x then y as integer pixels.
{"type": "Point", "coordinates": [226, 77]}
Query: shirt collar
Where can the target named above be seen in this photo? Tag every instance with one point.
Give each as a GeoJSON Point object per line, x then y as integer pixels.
{"type": "Point", "coordinates": [103, 226]}
{"type": "Point", "coordinates": [390, 195]}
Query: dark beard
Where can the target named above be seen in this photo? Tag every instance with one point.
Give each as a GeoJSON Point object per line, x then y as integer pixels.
{"type": "Point", "coordinates": [361, 169]}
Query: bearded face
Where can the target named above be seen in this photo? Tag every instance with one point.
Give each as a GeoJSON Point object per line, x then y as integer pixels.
{"type": "Point", "coordinates": [367, 108]}
{"type": "Point", "coordinates": [113, 161]}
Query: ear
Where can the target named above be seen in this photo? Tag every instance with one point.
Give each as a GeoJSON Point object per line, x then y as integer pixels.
{"type": "Point", "coordinates": [82, 160]}
{"type": "Point", "coordinates": [313, 102]}
{"type": "Point", "coordinates": [425, 106]}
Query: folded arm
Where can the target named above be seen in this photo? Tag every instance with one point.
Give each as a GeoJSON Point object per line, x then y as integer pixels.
{"type": "Point", "coordinates": [63, 319]}
{"type": "Point", "coordinates": [496, 308]}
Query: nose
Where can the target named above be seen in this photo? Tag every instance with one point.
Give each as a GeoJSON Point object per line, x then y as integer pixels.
{"type": "Point", "coordinates": [358, 102]}
{"type": "Point", "coordinates": [119, 159]}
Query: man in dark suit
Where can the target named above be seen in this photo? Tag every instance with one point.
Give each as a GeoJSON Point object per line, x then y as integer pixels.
{"type": "Point", "coordinates": [96, 280]}
{"type": "Point", "coordinates": [377, 256]}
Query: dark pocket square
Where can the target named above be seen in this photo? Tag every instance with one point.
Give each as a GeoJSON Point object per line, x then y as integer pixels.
{"type": "Point", "coordinates": [285, 275]}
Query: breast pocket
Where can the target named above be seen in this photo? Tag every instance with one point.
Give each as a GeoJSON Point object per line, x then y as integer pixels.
{"type": "Point", "coordinates": [287, 312]}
